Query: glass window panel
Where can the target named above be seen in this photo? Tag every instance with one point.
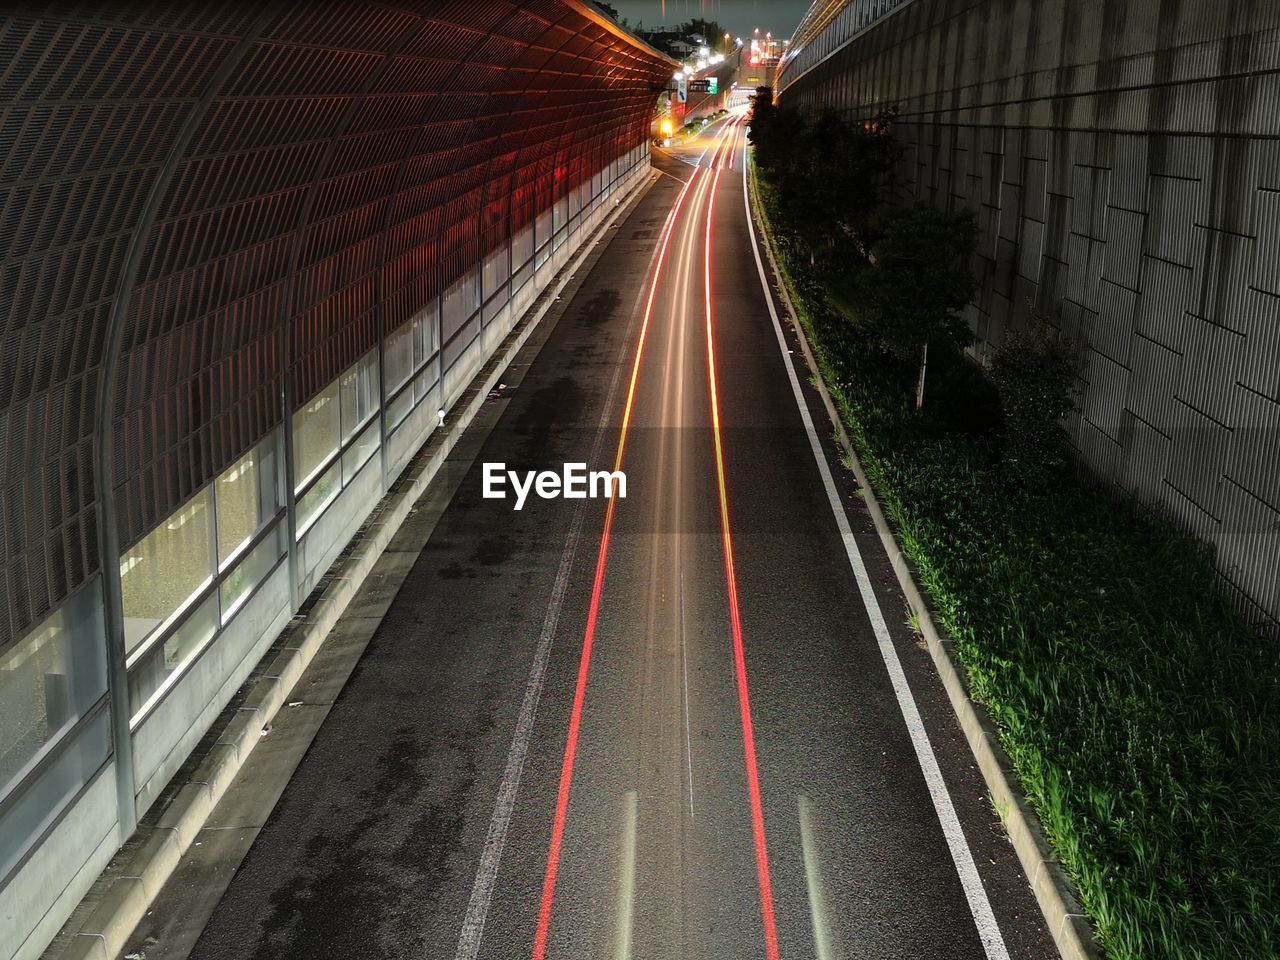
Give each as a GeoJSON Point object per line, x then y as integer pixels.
{"type": "Point", "coordinates": [161, 665]}
{"type": "Point", "coordinates": [522, 246]}
{"type": "Point", "coordinates": [360, 451]}
{"type": "Point", "coordinates": [425, 383]}
{"type": "Point", "coordinates": [251, 571]}
{"type": "Point", "coordinates": [398, 409]}
{"type": "Point", "coordinates": [461, 343]}
{"type": "Point", "coordinates": [321, 494]}
{"type": "Point", "coordinates": [359, 393]}
{"type": "Point", "coordinates": [397, 351]}
{"type": "Point", "coordinates": [316, 429]}
{"type": "Point", "coordinates": [160, 574]}
{"type": "Point", "coordinates": [48, 681]}
{"type": "Point", "coordinates": [37, 808]}
{"type": "Point", "coordinates": [430, 332]}
{"type": "Point", "coordinates": [497, 270]}
{"type": "Point", "coordinates": [459, 304]}
{"type": "Point", "coordinates": [246, 498]}
{"type": "Point", "coordinates": [419, 343]}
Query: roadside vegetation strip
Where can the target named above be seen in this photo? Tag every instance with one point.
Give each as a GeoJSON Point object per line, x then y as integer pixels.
{"type": "Point", "coordinates": [1142, 715]}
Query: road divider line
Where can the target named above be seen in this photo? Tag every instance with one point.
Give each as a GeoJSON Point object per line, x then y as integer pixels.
{"type": "Point", "coordinates": [593, 612]}
{"type": "Point", "coordinates": [813, 881]}
{"type": "Point", "coordinates": [684, 667]}
{"type": "Point", "coordinates": [627, 879]}
{"type": "Point", "coordinates": [971, 882]}
{"type": "Point", "coordinates": [739, 658]}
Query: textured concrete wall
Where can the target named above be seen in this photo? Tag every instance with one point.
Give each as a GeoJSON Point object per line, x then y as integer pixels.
{"type": "Point", "coordinates": [1122, 157]}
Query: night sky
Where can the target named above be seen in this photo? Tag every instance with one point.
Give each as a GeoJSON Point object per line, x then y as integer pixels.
{"type": "Point", "coordinates": [737, 16]}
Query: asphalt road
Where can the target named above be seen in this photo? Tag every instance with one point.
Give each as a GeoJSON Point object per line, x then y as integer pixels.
{"type": "Point", "coordinates": [653, 727]}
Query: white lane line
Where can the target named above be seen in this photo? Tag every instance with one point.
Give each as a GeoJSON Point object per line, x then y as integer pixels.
{"type": "Point", "coordinates": [672, 175]}
{"type": "Point", "coordinates": [684, 657]}
{"type": "Point", "coordinates": [626, 880]}
{"type": "Point", "coordinates": [961, 855]}
{"type": "Point", "coordinates": [813, 880]}
{"type": "Point", "coordinates": [495, 840]}
{"type": "Point", "coordinates": [504, 806]}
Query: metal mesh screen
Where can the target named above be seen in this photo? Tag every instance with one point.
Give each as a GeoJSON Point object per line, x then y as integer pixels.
{"type": "Point", "coordinates": [357, 159]}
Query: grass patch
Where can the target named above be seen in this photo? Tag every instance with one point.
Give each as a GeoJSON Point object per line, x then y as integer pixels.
{"type": "Point", "coordinates": [1141, 712]}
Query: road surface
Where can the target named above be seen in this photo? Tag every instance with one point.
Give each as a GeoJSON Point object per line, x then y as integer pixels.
{"type": "Point", "coordinates": [655, 727]}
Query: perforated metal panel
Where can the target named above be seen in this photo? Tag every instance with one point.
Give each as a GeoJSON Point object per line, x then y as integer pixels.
{"type": "Point", "coordinates": [1124, 161]}
{"type": "Point", "coordinates": [356, 161]}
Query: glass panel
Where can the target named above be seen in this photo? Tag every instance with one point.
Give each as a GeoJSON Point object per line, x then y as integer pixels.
{"type": "Point", "coordinates": [315, 434]}
{"type": "Point", "coordinates": [360, 451]}
{"type": "Point", "coordinates": [312, 504]}
{"type": "Point", "coordinates": [174, 561]}
{"type": "Point", "coordinates": [459, 345]}
{"type": "Point", "coordinates": [251, 571]}
{"type": "Point", "coordinates": [398, 409]}
{"type": "Point", "coordinates": [424, 333]}
{"type": "Point", "coordinates": [397, 352]}
{"type": "Point", "coordinates": [359, 393]}
{"type": "Point", "coordinates": [522, 247]}
{"type": "Point", "coordinates": [161, 665]}
{"type": "Point", "coordinates": [497, 271]}
{"type": "Point", "coordinates": [425, 383]}
{"type": "Point", "coordinates": [459, 304]}
{"type": "Point", "coordinates": [36, 808]}
{"type": "Point", "coordinates": [48, 681]}
{"type": "Point", "coordinates": [246, 498]}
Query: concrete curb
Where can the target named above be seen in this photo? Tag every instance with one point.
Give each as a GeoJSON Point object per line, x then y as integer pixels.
{"type": "Point", "coordinates": [1055, 893]}
{"type": "Point", "coordinates": [135, 877]}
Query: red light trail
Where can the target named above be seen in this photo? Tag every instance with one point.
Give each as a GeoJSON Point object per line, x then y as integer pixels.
{"type": "Point", "coordinates": [575, 717]}
{"type": "Point", "coordinates": [593, 612]}
{"type": "Point", "coordinates": [739, 657]}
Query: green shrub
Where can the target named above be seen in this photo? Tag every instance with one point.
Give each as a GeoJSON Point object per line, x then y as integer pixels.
{"type": "Point", "coordinates": [1034, 374]}
{"type": "Point", "coordinates": [1141, 713]}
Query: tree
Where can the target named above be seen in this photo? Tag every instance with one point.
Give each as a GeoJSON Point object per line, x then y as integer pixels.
{"type": "Point", "coordinates": [778, 137]}
{"type": "Point", "coordinates": [710, 31]}
{"type": "Point", "coordinates": [1035, 374]}
{"type": "Point", "coordinates": [915, 284]}
{"type": "Point", "coordinates": [837, 186]}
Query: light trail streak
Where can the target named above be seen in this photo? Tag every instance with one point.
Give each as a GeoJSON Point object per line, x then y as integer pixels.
{"type": "Point", "coordinates": [593, 613]}
{"type": "Point", "coordinates": [739, 658]}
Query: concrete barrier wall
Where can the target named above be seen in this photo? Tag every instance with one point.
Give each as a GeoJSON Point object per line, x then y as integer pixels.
{"type": "Point", "coordinates": [1123, 160]}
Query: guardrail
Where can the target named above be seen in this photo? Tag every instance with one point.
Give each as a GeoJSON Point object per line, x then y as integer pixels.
{"type": "Point", "coordinates": [827, 27]}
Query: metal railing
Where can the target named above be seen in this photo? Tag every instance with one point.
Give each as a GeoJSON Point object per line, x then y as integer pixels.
{"type": "Point", "coordinates": [827, 27]}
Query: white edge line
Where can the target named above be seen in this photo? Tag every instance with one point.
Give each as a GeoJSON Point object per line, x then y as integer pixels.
{"type": "Point", "coordinates": [979, 906]}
